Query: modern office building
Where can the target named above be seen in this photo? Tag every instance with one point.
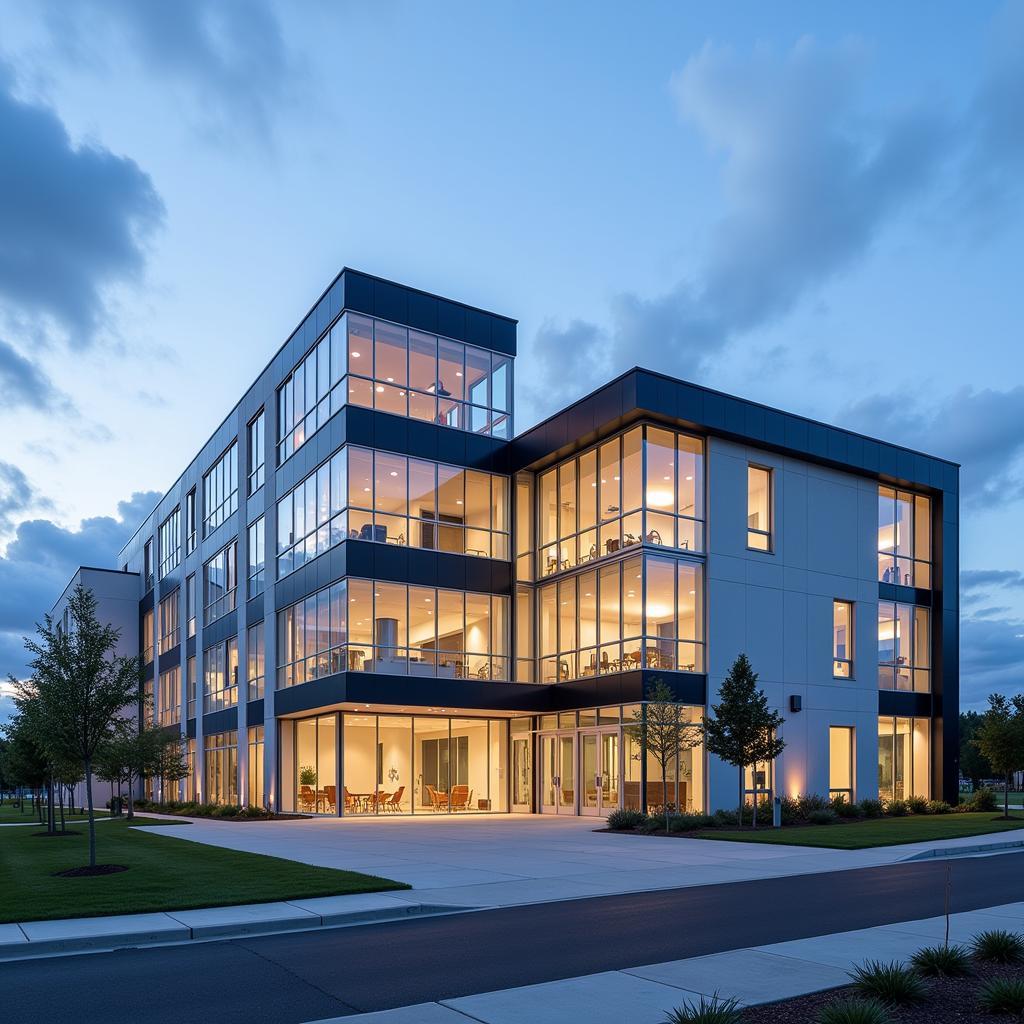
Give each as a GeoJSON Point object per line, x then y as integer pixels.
{"type": "Point", "coordinates": [368, 595]}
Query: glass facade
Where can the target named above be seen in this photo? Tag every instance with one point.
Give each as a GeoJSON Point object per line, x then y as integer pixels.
{"type": "Point", "coordinates": [904, 538]}
{"type": "Point", "coordinates": [169, 697]}
{"type": "Point", "coordinates": [255, 660]}
{"type": "Point", "coordinates": [362, 626]}
{"type": "Point", "coordinates": [257, 791]}
{"type": "Point", "coordinates": [842, 639]}
{"type": "Point", "coordinates": [191, 685]}
{"type": "Point", "coordinates": [220, 767]}
{"type": "Point", "coordinates": [643, 487]}
{"type": "Point", "coordinates": [220, 676]}
{"type": "Point", "coordinates": [220, 490]}
{"type": "Point", "coordinates": [256, 547]}
{"type": "Point", "coordinates": [641, 612]}
{"type": "Point", "coordinates": [170, 542]}
{"type": "Point", "coordinates": [904, 758]}
{"type": "Point", "coordinates": [904, 647]}
{"type": "Point", "coordinates": [220, 583]}
{"type": "Point", "coordinates": [147, 637]}
{"type": "Point", "coordinates": [257, 452]}
{"type": "Point", "coordinates": [190, 605]}
{"type": "Point", "coordinates": [170, 634]}
{"type": "Point", "coordinates": [360, 494]}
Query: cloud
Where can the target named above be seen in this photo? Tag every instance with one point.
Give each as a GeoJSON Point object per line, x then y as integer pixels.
{"type": "Point", "coordinates": [75, 219]}
{"type": "Point", "coordinates": [991, 658]}
{"type": "Point", "coordinates": [17, 495]}
{"type": "Point", "coordinates": [983, 430]}
{"type": "Point", "coordinates": [24, 385]}
{"type": "Point", "coordinates": [230, 57]}
{"type": "Point", "coordinates": [40, 560]}
{"type": "Point", "coordinates": [977, 584]}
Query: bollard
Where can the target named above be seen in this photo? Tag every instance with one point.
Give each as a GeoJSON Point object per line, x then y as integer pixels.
{"type": "Point", "coordinates": [777, 812]}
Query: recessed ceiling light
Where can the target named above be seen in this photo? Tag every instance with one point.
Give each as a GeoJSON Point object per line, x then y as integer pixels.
{"type": "Point", "coordinates": [394, 472]}
{"type": "Point", "coordinates": [390, 380]}
{"type": "Point", "coordinates": [689, 478]}
{"type": "Point", "coordinates": [380, 388]}
{"type": "Point", "coordinates": [355, 355]}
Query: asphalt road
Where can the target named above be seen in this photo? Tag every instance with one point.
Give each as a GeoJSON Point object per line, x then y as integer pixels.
{"type": "Point", "coordinates": [307, 976]}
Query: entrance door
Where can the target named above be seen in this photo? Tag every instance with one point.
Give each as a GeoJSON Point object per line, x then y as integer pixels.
{"type": "Point", "coordinates": [557, 772]}
{"type": "Point", "coordinates": [599, 772]}
{"type": "Point", "coordinates": [522, 774]}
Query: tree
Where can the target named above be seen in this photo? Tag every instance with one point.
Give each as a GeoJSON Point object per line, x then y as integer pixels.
{"type": "Point", "coordinates": [973, 764]}
{"type": "Point", "coordinates": [743, 730]}
{"type": "Point", "coordinates": [171, 764]}
{"type": "Point", "coordinates": [25, 762]}
{"type": "Point", "coordinates": [82, 687]}
{"type": "Point", "coordinates": [1000, 739]}
{"type": "Point", "coordinates": [662, 728]}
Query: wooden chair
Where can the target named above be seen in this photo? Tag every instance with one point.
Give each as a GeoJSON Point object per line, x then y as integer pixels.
{"type": "Point", "coordinates": [436, 799]}
{"type": "Point", "coordinates": [307, 798]}
{"type": "Point", "coordinates": [395, 803]}
{"type": "Point", "coordinates": [460, 798]}
{"type": "Point", "coordinates": [330, 799]}
{"type": "Point", "coordinates": [351, 803]}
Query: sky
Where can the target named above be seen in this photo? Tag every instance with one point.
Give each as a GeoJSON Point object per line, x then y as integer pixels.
{"type": "Point", "coordinates": [815, 206]}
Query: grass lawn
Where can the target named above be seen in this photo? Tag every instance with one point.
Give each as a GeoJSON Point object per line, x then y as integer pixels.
{"type": "Point", "coordinates": [9, 815]}
{"type": "Point", "coordinates": [859, 835]}
{"type": "Point", "coordinates": [163, 874]}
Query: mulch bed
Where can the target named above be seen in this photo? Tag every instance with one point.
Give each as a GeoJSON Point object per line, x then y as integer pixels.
{"type": "Point", "coordinates": [87, 872]}
{"type": "Point", "coordinates": [66, 832]}
{"type": "Point", "coordinates": [950, 1001]}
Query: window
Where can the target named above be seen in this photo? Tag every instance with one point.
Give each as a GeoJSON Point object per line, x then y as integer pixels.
{"type": "Point", "coordinates": [170, 542]}
{"type": "Point", "coordinates": [257, 453]}
{"type": "Point", "coordinates": [378, 496]}
{"type": "Point", "coordinates": [840, 762]}
{"type": "Point", "coordinates": [524, 635]}
{"type": "Point", "coordinates": [903, 647]}
{"type": "Point", "coordinates": [147, 637]}
{"type": "Point", "coordinates": [524, 528]}
{"type": "Point", "coordinates": [190, 522]}
{"type": "Point", "coordinates": [256, 795]}
{"type": "Point", "coordinates": [254, 661]}
{"type": "Point", "coordinates": [842, 639]}
{"type": "Point", "coordinates": [147, 702]}
{"type": "Point", "coordinates": [190, 685]}
{"type": "Point", "coordinates": [169, 632]}
{"type": "Point", "coordinates": [605, 500]}
{"type": "Point", "coordinates": [362, 626]}
{"type": "Point", "coordinates": [220, 580]}
{"type": "Point", "coordinates": [256, 546]}
{"type": "Point", "coordinates": [220, 676]}
{"type": "Point", "coordinates": [169, 697]}
{"type": "Point", "coordinates": [220, 490]}
{"type": "Point", "coordinates": [190, 605]}
{"type": "Point", "coordinates": [904, 538]}
{"type": "Point", "coordinates": [904, 758]}
{"type": "Point", "coordinates": [220, 754]}
{"type": "Point", "coordinates": [147, 563]}
{"type": "Point", "coordinates": [398, 370]}
{"type": "Point", "coordinates": [759, 508]}
{"type": "Point", "coordinates": [644, 612]}
{"type": "Point", "coordinates": [190, 763]}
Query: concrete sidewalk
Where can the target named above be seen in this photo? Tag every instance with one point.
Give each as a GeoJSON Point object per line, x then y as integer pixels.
{"type": "Point", "coordinates": [643, 995]}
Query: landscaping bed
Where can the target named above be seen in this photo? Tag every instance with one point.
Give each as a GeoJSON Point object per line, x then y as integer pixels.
{"type": "Point", "coordinates": [223, 812]}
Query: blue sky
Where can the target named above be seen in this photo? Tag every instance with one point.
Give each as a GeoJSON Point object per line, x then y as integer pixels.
{"type": "Point", "coordinates": [816, 206]}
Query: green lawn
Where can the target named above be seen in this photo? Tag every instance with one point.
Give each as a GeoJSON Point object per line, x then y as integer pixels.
{"type": "Point", "coordinates": [163, 874]}
{"type": "Point", "coordinates": [859, 835]}
{"type": "Point", "coordinates": [9, 814]}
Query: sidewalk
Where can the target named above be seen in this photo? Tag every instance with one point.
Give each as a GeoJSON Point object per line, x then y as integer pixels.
{"type": "Point", "coordinates": [643, 995]}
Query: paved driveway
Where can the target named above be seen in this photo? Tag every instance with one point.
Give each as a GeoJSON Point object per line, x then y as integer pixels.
{"type": "Point", "coordinates": [505, 860]}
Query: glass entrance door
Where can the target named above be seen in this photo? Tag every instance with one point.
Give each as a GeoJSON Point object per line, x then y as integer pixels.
{"type": "Point", "coordinates": [557, 773]}
{"type": "Point", "coordinates": [599, 772]}
{"type": "Point", "coordinates": [522, 774]}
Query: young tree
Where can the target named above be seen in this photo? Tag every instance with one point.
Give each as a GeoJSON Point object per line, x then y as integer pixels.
{"type": "Point", "coordinates": [81, 686]}
{"type": "Point", "coordinates": [26, 763]}
{"type": "Point", "coordinates": [1000, 738]}
{"type": "Point", "coordinates": [664, 731]}
{"type": "Point", "coordinates": [973, 764]}
{"type": "Point", "coordinates": [743, 730]}
{"type": "Point", "coordinates": [171, 763]}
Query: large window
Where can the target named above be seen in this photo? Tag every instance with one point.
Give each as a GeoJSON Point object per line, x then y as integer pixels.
{"type": "Point", "coordinates": [840, 762]}
{"type": "Point", "coordinates": [220, 676]}
{"type": "Point", "coordinates": [147, 637]}
{"type": "Point", "coordinates": [170, 542]}
{"type": "Point", "coordinates": [190, 605]}
{"type": "Point", "coordinates": [170, 635]}
{"type": "Point", "coordinates": [220, 490]}
{"type": "Point", "coordinates": [220, 754]}
{"type": "Point", "coordinates": [646, 486]}
{"type": "Point", "coordinates": [190, 522]}
{"type": "Point", "coordinates": [191, 676]}
{"type": "Point", "coordinates": [256, 795]}
{"type": "Point", "coordinates": [361, 494]}
{"type": "Point", "coordinates": [643, 612]}
{"type": "Point", "coordinates": [904, 758]}
{"type": "Point", "coordinates": [903, 647]}
{"type": "Point", "coordinates": [759, 508]}
{"type": "Point", "coordinates": [220, 583]}
{"type": "Point", "coordinates": [169, 697]}
{"type": "Point", "coordinates": [904, 538]}
{"type": "Point", "coordinates": [394, 369]}
{"type": "Point", "coordinates": [316, 764]}
{"type": "Point", "coordinates": [257, 549]}
{"type": "Point", "coordinates": [842, 639]}
{"type": "Point", "coordinates": [147, 563]}
{"type": "Point", "coordinates": [257, 453]}
{"type": "Point", "coordinates": [255, 661]}
{"type": "Point", "coordinates": [361, 626]}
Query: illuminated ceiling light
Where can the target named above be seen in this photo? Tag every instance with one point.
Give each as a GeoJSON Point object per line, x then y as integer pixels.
{"type": "Point", "coordinates": [689, 478]}
{"type": "Point", "coordinates": [380, 388]}
{"type": "Point", "coordinates": [355, 355]}
{"type": "Point", "coordinates": [394, 472]}
{"type": "Point", "coordinates": [458, 501]}
{"type": "Point", "coordinates": [366, 489]}
{"type": "Point", "coordinates": [390, 380]}
{"type": "Point", "coordinates": [615, 478]}
{"type": "Point", "coordinates": [666, 478]}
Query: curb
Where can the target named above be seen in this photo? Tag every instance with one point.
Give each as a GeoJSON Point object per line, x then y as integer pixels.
{"type": "Point", "coordinates": [965, 851]}
{"type": "Point", "coordinates": [174, 932]}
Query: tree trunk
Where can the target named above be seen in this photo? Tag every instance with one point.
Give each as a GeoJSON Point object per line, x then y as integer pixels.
{"type": "Point", "coordinates": [741, 795]}
{"type": "Point", "coordinates": [60, 801]}
{"type": "Point", "coordinates": [755, 795]}
{"type": "Point", "coordinates": [664, 791]}
{"type": "Point", "coordinates": [1006, 797]}
{"type": "Point", "coordinates": [131, 807]}
{"type": "Point", "coordinates": [51, 820]}
{"type": "Point", "coordinates": [92, 816]}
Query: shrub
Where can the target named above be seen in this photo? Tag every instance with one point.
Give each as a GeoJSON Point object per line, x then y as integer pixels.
{"type": "Point", "coordinates": [626, 819]}
{"type": "Point", "coordinates": [942, 961]}
{"type": "Point", "coordinates": [917, 805]}
{"type": "Point", "coordinates": [983, 800]}
{"type": "Point", "coordinates": [826, 816]}
{"type": "Point", "coordinates": [809, 803]}
{"type": "Point", "coordinates": [845, 809]}
{"type": "Point", "coordinates": [854, 1011]}
{"type": "Point", "coordinates": [872, 808]}
{"type": "Point", "coordinates": [939, 807]}
{"type": "Point", "coordinates": [688, 822]}
{"type": "Point", "coordinates": [1002, 995]}
{"type": "Point", "coordinates": [727, 819]}
{"type": "Point", "coordinates": [896, 808]}
{"type": "Point", "coordinates": [890, 983]}
{"type": "Point", "coordinates": [790, 811]}
{"type": "Point", "coordinates": [998, 946]}
{"type": "Point", "coordinates": [707, 1011]}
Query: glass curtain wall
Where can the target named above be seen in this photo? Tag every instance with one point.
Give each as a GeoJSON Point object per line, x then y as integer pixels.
{"type": "Point", "coordinates": [904, 758]}
{"type": "Point", "coordinates": [904, 538]}
{"type": "Point", "coordinates": [904, 647]}
{"type": "Point", "coordinates": [220, 755]}
{"type": "Point", "coordinates": [316, 764]}
{"type": "Point", "coordinates": [256, 748]}
{"type": "Point", "coordinates": [644, 487]}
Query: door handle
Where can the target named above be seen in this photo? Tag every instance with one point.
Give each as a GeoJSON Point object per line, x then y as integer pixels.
{"type": "Point", "coordinates": [597, 781]}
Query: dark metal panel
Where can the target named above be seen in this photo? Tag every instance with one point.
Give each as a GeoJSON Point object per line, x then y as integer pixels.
{"type": "Point", "coordinates": [254, 608]}
{"type": "Point", "coordinates": [221, 629]}
{"type": "Point", "coordinates": [220, 721]}
{"type": "Point", "coordinates": [905, 705]}
{"type": "Point", "coordinates": [190, 728]}
{"type": "Point", "coordinates": [254, 712]}
{"type": "Point", "coordinates": [171, 658]}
